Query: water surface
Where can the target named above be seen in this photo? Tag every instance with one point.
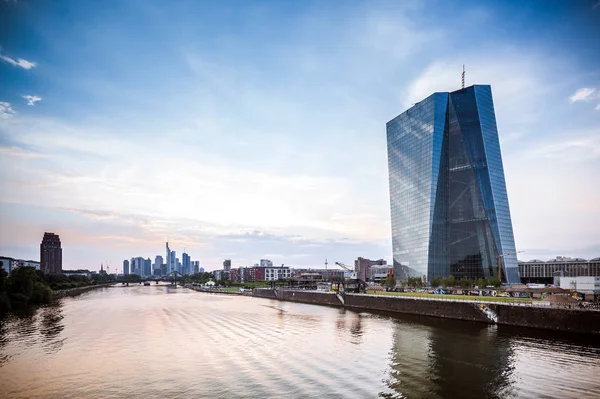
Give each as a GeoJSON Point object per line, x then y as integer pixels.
{"type": "Point", "coordinates": [160, 341]}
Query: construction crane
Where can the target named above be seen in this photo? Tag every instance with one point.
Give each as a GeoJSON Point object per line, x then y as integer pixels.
{"type": "Point", "coordinates": [353, 275]}
{"type": "Point", "coordinates": [500, 256]}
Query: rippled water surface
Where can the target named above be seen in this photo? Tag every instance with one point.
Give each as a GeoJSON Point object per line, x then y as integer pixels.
{"type": "Point", "coordinates": [160, 341]}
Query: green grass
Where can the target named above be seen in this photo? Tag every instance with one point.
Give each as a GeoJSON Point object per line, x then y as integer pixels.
{"type": "Point", "coordinates": [457, 297]}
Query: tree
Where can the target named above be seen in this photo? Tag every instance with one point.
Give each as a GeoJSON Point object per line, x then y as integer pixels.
{"type": "Point", "coordinates": [465, 283]}
{"type": "Point", "coordinates": [451, 281]}
{"type": "Point", "coordinates": [390, 282]}
{"type": "Point", "coordinates": [495, 282]}
{"type": "Point", "coordinates": [481, 283]}
{"type": "Point", "coordinates": [436, 282]}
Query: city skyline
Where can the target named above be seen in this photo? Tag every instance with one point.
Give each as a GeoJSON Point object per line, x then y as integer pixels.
{"type": "Point", "coordinates": [256, 132]}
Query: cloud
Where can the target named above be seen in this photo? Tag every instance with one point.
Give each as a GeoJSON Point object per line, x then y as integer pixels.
{"type": "Point", "coordinates": [31, 100]}
{"type": "Point", "coordinates": [6, 110]}
{"type": "Point", "coordinates": [19, 152]}
{"type": "Point", "coordinates": [583, 94]}
{"type": "Point", "coordinates": [19, 62]}
{"type": "Point", "coordinates": [598, 107]}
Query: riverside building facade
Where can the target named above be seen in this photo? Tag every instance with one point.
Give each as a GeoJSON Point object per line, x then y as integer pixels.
{"type": "Point", "coordinates": [449, 206]}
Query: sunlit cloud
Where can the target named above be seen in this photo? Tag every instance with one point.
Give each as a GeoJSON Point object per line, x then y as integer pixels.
{"type": "Point", "coordinates": [583, 94]}
{"type": "Point", "coordinates": [31, 100]}
{"type": "Point", "coordinates": [6, 110]}
{"type": "Point", "coordinates": [19, 62]}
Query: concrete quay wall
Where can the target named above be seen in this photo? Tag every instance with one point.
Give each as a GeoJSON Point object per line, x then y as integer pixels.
{"type": "Point", "coordinates": [446, 309]}
{"type": "Point", "coordinates": [78, 290]}
{"type": "Point", "coordinates": [548, 318]}
{"type": "Point", "coordinates": [572, 320]}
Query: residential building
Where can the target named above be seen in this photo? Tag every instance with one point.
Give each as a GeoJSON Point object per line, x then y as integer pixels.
{"type": "Point", "coordinates": [227, 265]}
{"type": "Point", "coordinates": [6, 263]}
{"type": "Point", "coordinates": [362, 267]}
{"type": "Point", "coordinates": [51, 254]}
{"type": "Point", "coordinates": [272, 273]}
{"type": "Point", "coordinates": [449, 206]}
{"type": "Point", "coordinates": [10, 264]}
{"type": "Point", "coordinates": [125, 267]}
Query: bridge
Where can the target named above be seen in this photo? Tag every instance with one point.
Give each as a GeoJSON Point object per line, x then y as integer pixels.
{"type": "Point", "coordinates": [172, 278]}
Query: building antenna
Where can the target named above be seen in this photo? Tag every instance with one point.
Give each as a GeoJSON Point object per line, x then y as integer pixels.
{"type": "Point", "coordinates": [463, 77]}
{"type": "Point", "coordinates": [325, 263]}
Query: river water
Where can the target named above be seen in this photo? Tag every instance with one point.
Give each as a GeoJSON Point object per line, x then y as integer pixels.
{"type": "Point", "coordinates": [163, 342]}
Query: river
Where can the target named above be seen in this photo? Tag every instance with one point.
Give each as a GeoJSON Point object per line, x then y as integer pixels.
{"type": "Point", "coordinates": [161, 341]}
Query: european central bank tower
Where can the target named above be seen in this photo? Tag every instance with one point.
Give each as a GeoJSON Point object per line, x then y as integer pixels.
{"type": "Point", "coordinates": [449, 206]}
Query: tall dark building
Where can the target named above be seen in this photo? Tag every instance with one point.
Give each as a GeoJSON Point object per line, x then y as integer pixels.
{"type": "Point", "coordinates": [227, 265]}
{"type": "Point", "coordinates": [51, 254]}
{"type": "Point", "coordinates": [448, 197]}
{"type": "Point", "coordinates": [126, 267]}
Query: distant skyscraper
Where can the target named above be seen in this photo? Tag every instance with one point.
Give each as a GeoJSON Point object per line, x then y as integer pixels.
{"type": "Point", "coordinates": [201, 270]}
{"type": "Point", "coordinates": [51, 254]}
{"type": "Point", "coordinates": [185, 264]}
{"type": "Point", "coordinates": [137, 265]}
{"type": "Point", "coordinates": [448, 198]}
{"type": "Point", "coordinates": [266, 263]}
{"type": "Point", "coordinates": [147, 267]}
{"type": "Point", "coordinates": [158, 262]}
{"type": "Point", "coordinates": [227, 265]}
{"type": "Point", "coordinates": [196, 266]}
{"type": "Point", "coordinates": [125, 267]}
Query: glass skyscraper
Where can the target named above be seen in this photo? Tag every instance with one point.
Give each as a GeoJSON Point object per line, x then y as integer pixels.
{"type": "Point", "coordinates": [449, 206]}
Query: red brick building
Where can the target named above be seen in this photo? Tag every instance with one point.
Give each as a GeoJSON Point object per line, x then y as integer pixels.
{"type": "Point", "coordinates": [362, 266]}
{"type": "Point", "coordinates": [51, 254]}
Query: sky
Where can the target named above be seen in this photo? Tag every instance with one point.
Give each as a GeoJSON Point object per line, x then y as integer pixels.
{"type": "Point", "coordinates": [249, 130]}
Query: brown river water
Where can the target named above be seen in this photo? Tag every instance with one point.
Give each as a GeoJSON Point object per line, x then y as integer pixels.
{"type": "Point", "coordinates": [166, 342]}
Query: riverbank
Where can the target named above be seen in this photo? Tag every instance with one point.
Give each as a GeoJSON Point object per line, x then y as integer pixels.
{"type": "Point", "coordinates": [530, 315]}
{"type": "Point", "coordinates": [77, 291]}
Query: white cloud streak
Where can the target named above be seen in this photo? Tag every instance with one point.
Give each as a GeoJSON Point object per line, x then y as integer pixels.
{"type": "Point", "coordinates": [583, 94]}
{"type": "Point", "coordinates": [19, 62]}
{"type": "Point", "coordinates": [31, 100]}
{"type": "Point", "coordinates": [6, 110]}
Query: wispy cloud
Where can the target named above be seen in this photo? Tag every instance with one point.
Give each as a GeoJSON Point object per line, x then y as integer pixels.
{"type": "Point", "coordinates": [598, 107]}
{"type": "Point", "coordinates": [19, 152]}
{"type": "Point", "coordinates": [31, 100]}
{"type": "Point", "coordinates": [583, 94]}
{"type": "Point", "coordinates": [6, 110]}
{"type": "Point", "coordinates": [19, 62]}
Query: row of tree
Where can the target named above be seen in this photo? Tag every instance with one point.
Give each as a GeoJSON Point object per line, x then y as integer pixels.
{"type": "Point", "coordinates": [24, 286]}
{"type": "Point", "coordinates": [421, 282]}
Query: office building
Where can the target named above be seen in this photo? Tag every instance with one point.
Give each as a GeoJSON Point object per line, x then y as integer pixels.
{"type": "Point", "coordinates": [549, 272]}
{"type": "Point", "coordinates": [157, 267]}
{"type": "Point", "coordinates": [448, 199]}
{"type": "Point", "coordinates": [227, 265]}
{"type": "Point", "coordinates": [363, 266]}
{"type": "Point", "coordinates": [147, 267]}
{"type": "Point", "coordinates": [51, 254]}
{"type": "Point", "coordinates": [125, 267]}
{"type": "Point", "coordinates": [186, 267]}
{"type": "Point", "coordinates": [196, 267]}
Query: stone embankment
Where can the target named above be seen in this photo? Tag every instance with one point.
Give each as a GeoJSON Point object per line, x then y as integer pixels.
{"type": "Point", "coordinates": [78, 290]}
{"type": "Point", "coordinates": [520, 315]}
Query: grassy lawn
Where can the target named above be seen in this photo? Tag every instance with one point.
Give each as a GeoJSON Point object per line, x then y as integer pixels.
{"type": "Point", "coordinates": [230, 289]}
{"type": "Point", "coordinates": [457, 297]}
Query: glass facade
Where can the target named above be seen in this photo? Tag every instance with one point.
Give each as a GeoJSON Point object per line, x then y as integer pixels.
{"type": "Point", "coordinates": [449, 206]}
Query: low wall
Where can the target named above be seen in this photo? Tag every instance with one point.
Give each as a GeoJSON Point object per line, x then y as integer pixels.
{"type": "Point", "coordinates": [317, 298]}
{"type": "Point", "coordinates": [573, 320]}
{"type": "Point", "coordinates": [78, 290]}
{"type": "Point", "coordinates": [264, 293]}
{"type": "Point", "coordinates": [446, 309]}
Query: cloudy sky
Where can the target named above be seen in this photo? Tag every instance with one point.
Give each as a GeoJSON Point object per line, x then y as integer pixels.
{"type": "Point", "coordinates": [246, 130]}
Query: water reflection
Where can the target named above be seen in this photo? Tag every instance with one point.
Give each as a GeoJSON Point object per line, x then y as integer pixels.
{"type": "Point", "coordinates": [444, 359]}
{"type": "Point", "coordinates": [51, 326]}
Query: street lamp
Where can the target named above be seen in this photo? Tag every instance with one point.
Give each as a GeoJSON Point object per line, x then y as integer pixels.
{"type": "Point", "coordinates": [500, 256]}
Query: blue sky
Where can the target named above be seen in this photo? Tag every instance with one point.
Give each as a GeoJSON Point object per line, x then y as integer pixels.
{"type": "Point", "coordinates": [246, 130]}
